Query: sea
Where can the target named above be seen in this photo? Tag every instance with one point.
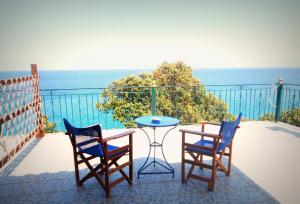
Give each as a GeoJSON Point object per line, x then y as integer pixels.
{"type": "Point", "coordinates": [80, 108]}
{"type": "Point", "coordinates": [208, 76]}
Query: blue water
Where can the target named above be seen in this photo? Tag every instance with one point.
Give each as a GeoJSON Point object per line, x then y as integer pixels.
{"type": "Point", "coordinates": [79, 106]}
{"type": "Point", "coordinates": [102, 78]}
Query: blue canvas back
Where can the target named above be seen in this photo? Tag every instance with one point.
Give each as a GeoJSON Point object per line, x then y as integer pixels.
{"type": "Point", "coordinates": [84, 137]}
{"type": "Point", "coordinates": [94, 131]}
{"type": "Point", "coordinates": [227, 130]}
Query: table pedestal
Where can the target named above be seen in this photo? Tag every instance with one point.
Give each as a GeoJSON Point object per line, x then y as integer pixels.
{"type": "Point", "coordinates": [154, 145]}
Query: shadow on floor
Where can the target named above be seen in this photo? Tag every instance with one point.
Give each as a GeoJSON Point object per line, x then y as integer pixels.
{"type": "Point", "coordinates": [286, 130]}
{"type": "Point", "coordinates": [10, 167]}
{"type": "Point", "coordinates": [160, 188]}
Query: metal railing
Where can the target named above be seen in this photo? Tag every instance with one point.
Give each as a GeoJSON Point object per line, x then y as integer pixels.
{"type": "Point", "coordinates": [254, 100]}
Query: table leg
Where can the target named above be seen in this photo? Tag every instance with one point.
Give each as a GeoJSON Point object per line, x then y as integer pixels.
{"type": "Point", "coordinates": [154, 144]}
{"type": "Point", "coordinates": [143, 166]}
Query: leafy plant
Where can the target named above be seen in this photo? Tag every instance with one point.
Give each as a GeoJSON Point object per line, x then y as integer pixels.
{"type": "Point", "coordinates": [268, 117]}
{"type": "Point", "coordinates": [49, 127]}
{"type": "Point", "coordinates": [290, 116]}
{"type": "Point", "coordinates": [179, 94]}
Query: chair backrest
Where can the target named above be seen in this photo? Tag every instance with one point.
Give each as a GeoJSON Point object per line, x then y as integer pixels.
{"type": "Point", "coordinates": [80, 137]}
{"type": "Point", "coordinates": [228, 129]}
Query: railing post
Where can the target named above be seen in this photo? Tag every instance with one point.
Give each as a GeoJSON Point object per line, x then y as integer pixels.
{"type": "Point", "coordinates": [278, 100]}
{"type": "Point", "coordinates": [153, 98]}
{"type": "Point", "coordinates": [37, 101]}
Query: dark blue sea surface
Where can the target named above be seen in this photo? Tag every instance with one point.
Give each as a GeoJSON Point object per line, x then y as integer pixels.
{"type": "Point", "coordinates": [79, 106]}
{"type": "Point", "coordinates": [102, 78]}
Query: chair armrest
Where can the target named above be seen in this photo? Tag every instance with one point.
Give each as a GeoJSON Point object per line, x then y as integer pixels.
{"type": "Point", "coordinates": [200, 133]}
{"type": "Point", "coordinates": [210, 123]}
{"type": "Point", "coordinates": [122, 134]}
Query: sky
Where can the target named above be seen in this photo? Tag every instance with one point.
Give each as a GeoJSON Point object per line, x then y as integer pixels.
{"type": "Point", "coordinates": [137, 34]}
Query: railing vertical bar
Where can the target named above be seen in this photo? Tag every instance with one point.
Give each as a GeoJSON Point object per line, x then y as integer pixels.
{"type": "Point", "coordinates": [227, 101]}
{"type": "Point", "coordinates": [72, 109]}
{"type": "Point", "coordinates": [106, 113]}
{"type": "Point", "coordinates": [254, 101]}
{"type": "Point", "coordinates": [274, 101]}
{"type": "Point", "coordinates": [51, 96]}
{"type": "Point", "coordinates": [290, 99]}
{"type": "Point", "coordinates": [285, 93]}
{"type": "Point", "coordinates": [234, 101]}
{"type": "Point", "coordinates": [270, 101]}
{"type": "Point", "coordinates": [197, 90]}
{"type": "Point", "coordinates": [61, 120]}
{"type": "Point", "coordinates": [98, 112]}
{"type": "Point", "coordinates": [246, 90]}
{"type": "Point", "coordinates": [93, 107]}
{"type": "Point", "coordinates": [79, 106]}
{"type": "Point", "coordinates": [240, 105]}
{"type": "Point", "coordinates": [286, 104]}
{"type": "Point", "coordinates": [259, 104]}
{"type": "Point", "coordinates": [250, 102]}
{"type": "Point", "coordinates": [294, 98]}
{"type": "Point", "coordinates": [266, 103]}
{"type": "Point", "coordinates": [298, 98]}
{"type": "Point", "coordinates": [87, 108]}
{"type": "Point", "coordinates": [66, 104]}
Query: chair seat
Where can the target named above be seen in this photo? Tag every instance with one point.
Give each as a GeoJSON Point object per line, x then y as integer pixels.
{"type": "Point", "coordinates": [97, 150]}
{"type": "Point", "coordinates": [206, 143]}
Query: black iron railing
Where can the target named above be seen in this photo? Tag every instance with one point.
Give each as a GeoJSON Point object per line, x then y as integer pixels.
{"type": "Point", "coordinates": [254, 100]}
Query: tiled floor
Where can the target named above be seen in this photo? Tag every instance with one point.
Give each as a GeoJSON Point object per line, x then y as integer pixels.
{"type": "Point", "coordinates": [264, 171]}
{"type": "Point", "coordinates": [60, 188]}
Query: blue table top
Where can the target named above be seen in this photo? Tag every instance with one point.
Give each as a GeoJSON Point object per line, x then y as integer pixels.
{"type": "Point", "coordinates": [164, 121]}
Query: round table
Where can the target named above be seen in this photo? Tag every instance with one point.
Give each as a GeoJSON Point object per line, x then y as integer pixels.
{"type": "Point", "coordinates": [155, 122]}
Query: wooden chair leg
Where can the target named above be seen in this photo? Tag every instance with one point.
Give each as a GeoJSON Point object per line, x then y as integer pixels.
{"type": "Point", "coordinates": [211, 184]}
{"type": "Point", "coordinates": [130, 160]}
{"type": "Point", "coordinates": [201, 161]}
{"type": "Point", "coordinates": [183, 159]}
{"type": "Point", "coordinates": [229, 159]}
{"type": "Point", "coordinates": [193, 166]}
{"type": "Point", "coordinates": [106, 175]}
{"type": "Point", "coordinates": [77, 177]}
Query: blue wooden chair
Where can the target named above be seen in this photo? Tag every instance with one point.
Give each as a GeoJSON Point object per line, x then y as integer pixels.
{"type": "Point", "coordinates": [88, 144]}
{"type": "Point", "coordinates": [217, 147]}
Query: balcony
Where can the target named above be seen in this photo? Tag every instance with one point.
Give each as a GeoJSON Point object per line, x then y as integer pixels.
{"type": "Point", "coordinates": [265, 170]}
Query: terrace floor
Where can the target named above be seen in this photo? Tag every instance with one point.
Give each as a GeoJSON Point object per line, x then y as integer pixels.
{"type": "Point", "coordinates": [265, 171]}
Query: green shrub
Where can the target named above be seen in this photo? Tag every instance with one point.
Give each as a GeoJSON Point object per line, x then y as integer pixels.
{"type": "Point", "coordinates": [268, 117]}
{"type": "Point", "coordinates": [290, 116]}
{"type": "Point", "coordinates": [179, 94]}
{"type": "Point", "coordinates": [49, 127]}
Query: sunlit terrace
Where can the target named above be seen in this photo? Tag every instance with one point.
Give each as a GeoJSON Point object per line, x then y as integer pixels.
{"type": "Point", "coordinates": [264, 171]}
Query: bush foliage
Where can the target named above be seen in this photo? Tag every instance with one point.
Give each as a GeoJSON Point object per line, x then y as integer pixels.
{"type": "Point", "coordinates": [49, 127]}
{"type": "Point", "coordinates": [290, 116]}
{"type": "Point", "coordinates": [179, 94]}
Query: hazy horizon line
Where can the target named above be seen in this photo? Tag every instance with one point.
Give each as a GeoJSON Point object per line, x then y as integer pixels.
{"type": "Point", "coordinates": [142, 69]}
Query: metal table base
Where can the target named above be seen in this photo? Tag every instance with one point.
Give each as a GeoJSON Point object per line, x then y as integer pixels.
{"type": "Point", "coordinates": [169, 169]}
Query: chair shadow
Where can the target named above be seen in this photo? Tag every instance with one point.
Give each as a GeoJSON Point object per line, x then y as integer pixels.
{"type": "Point", "coordinates": [159, 188]}
{"type": "Point", "coordinates": [10, 167]}
{"type": "Point", "coordinates": [286, 130]}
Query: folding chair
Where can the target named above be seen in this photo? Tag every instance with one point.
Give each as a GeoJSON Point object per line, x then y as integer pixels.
{"type": "Point", "coordinates": [219, 146]}
{"type": "Point", "coordinates": [88, 144]}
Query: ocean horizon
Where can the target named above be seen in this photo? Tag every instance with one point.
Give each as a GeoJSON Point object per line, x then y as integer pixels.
{"type": "Point", "coordinates": [62, 79]}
